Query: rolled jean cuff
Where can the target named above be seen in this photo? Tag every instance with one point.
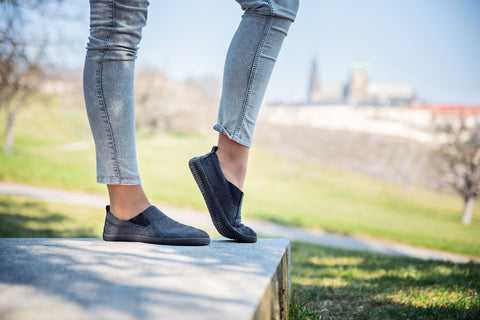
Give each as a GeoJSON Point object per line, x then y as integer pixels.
{"type": "Point", "coordinates": [244, 141]}
{"type": "Point", "coordinates": [118, 180]}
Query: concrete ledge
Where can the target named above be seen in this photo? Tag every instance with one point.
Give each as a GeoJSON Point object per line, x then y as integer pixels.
{"type": "Point", "coordinates": [93, 279]}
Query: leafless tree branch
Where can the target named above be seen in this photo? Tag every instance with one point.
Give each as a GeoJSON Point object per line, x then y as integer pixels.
{"type": "Point", "coordinates": [459, 155]}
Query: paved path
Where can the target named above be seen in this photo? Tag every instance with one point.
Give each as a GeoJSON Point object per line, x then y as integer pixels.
{"type": "Point", "coordinates": [202, 220]}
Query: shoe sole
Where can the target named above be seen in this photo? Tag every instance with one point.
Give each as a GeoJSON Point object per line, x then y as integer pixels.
{"type": "Point", "coordinates": [170, 242]}
{"type": "Point", "coordinates": [219, 219]}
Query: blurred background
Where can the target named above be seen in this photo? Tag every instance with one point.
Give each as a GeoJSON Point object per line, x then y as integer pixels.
{"type": "Point", "coordinates": [369, 126]}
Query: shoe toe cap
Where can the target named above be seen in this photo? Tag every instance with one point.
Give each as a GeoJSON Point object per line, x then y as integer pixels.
{"type": "Point", "coordinates": [197, 233]}
{"type": "Point", "coordinates": [246, 234]}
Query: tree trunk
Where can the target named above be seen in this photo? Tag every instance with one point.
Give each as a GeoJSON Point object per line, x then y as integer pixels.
{"type": "Point", "coordinates": [467, 211]}
{"type": "Point", "coordinates": [8, 143]}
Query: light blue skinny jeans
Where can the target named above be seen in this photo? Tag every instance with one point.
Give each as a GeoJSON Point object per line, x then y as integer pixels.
{"type": "Point", "coordinates": [115, 33]}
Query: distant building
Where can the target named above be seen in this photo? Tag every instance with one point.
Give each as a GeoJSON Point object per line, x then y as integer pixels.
{"type": "Point", "coordinates": [385, 93]}
{"type": "Point", "coordinates": [326, 93]}
{"type": "Point", "coordinates": [314, 93]}
{"type": "Point", "coordinates": [357, 85]}
{"type": "Point", "coordinates": [358, 90]}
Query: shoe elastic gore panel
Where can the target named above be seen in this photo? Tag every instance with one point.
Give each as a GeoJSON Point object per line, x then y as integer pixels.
{"type": "Point", "coordinates": [139, 220]}
{"type": "Point", "coordinates": [236, 194]}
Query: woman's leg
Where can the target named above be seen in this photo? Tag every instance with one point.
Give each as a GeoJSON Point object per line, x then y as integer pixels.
{"type": "Point", "coordinates": [115, 32]}
{"type": "Point", "coordinates": [249, 64]}
{"type": "Point", "coordinates": [251, 56]}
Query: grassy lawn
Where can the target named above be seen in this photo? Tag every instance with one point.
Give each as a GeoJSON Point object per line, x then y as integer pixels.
{"type": "Point", "coordinates": [327, 283]}
{"type": "Point", "coordinates": [337, 284]}
{"type": "Point", "coordinates": [26, 218]}
{"type": "Point", "coordinates": [54, 149]}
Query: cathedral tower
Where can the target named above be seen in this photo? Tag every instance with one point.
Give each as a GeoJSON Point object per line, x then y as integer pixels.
{"type": "Point", "coordinates": [314, 94]}
{"type": "Point", "coordinates": [357, 86]}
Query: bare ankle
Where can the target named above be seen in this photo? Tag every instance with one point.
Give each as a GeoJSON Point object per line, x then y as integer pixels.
{"type": "Point", "coordinates": [233, 159]}
{"type": "Point", "coordinates": [127, 202]}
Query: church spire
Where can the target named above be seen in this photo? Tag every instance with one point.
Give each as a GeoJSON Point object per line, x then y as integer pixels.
{"type": "Point", "coordinates": [314, 85]}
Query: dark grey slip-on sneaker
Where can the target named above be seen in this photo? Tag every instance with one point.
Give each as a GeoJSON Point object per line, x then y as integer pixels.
{"type": "Point", "coordinates": [223, 199]}
{"type": "Point", "coordinates": [153, 226]}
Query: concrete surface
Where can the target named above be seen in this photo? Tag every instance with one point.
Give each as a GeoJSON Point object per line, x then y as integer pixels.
{"type": "Point", "coordinates": [202, 220]}
{"type": "Point", "coordinates": [92, 279]}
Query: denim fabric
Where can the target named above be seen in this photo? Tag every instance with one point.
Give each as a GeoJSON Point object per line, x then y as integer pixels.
{"type": "Point", "coordinates": [249, 64]}
{"type": "Point", "coordinates": [278, 8]}
{"type": "Point", "coordinates": [115, 33]}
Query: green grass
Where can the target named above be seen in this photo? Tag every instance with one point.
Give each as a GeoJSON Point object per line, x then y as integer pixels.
{"type": "Point", "coordinates": [277, 189]}
{"type": "Point", "coordinates": [26, 218]}
{"type": "Point", "coordinates": [327, 283]}
{"type": "Point", "coordinates": [338, 284]}
{"type": "Point", "coordinates": [312, 196]}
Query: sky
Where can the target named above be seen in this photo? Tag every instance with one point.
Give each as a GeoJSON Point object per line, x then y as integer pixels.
{"type": "Point", "coordinates": [434, 45]}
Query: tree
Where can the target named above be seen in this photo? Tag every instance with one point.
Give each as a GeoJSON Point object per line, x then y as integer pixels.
{"type": "Point", "coordinates": [163, 105]}
{"type": "Point", "coordinates": [459, 161]}
{"type": "Point", "coordinates": [20, 77]}
{"type": "Point", "coordinates": [21, 59]}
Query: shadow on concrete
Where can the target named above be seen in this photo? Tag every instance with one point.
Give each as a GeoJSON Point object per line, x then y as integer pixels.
{"type": "Point", "coordinates": [134, 280]}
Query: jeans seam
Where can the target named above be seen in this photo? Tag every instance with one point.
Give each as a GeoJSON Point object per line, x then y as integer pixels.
{"type": "Point", "coordinates": [252, 76]}
{"type": "Point", "coordinates": [117, 179]}
{"type": "Point", "coordinates": [103, 108]}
